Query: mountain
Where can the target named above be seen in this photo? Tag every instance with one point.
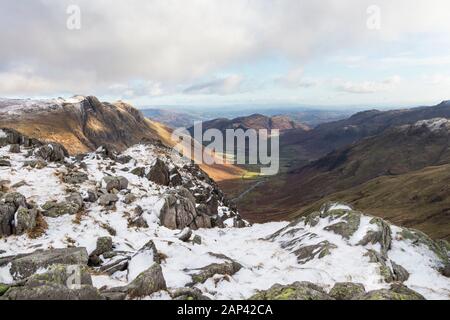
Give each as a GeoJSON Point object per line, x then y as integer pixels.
{"type": "Point", "coordinates": [326, 137]}
{"type": "Point", "coordinates": [147, 224]}
{"type": "Point", "coordinates": [395, 152]}
{"type": "Point", "coordinates": [83, 124]}
{"type": "Point", "coordinates": [254, 121]}
{"type": "Point", "coordinates": [173, 119]}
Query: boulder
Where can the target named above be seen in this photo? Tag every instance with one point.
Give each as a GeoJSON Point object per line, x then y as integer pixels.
{"type": "Point", "coordinates": [159, 173]}
{"type": "Point", "coordinates": [185, 234]}
{"type": "Point", "coordinates": [14, 148]}
{"type": "Point", "coordinates": [144, 257]}
{"type": "Point", "coordinates": [399, 273]}
{"type": "Point", "coordinates": [55, 209]}
{"type": "Point", "coordinates": [53, 152]}
{"type": "Point", "coordinates": [139, 171]}
{"type": "Point", "coordinates": [5, 163]}
{"type": "Point", "coordinates": [118, 183]}
{"type": "Point", "coordinates": [24, 220]}
{"type": "Point", "coordinates": [75, 177]}
{"type": "Point", "coordinates": [396, 292]}
{"type": "Point", "coordinates": [148, 282]}
{"type": "Point", "coordinates": [25, 266]}
{"type": "Point", "coordinates": [188, 294]}
{"type": "Point", "coordinates": [108, 199]}
{"type": "Point", "coordinates": [347, 291]}
{"type": "Point", "coordinates": [296, 291]}
{"type": "Point", "coordinates": [229, 268]}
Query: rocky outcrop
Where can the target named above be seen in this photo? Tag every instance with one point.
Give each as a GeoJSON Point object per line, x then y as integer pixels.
{"type": "Point", "coordinates": [179, 211]}
{"type": "Point", "coordinates": [396, 292]}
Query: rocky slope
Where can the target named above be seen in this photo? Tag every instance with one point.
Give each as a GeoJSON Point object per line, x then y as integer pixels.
{"type": "Point", "coordinates": [146, 224]}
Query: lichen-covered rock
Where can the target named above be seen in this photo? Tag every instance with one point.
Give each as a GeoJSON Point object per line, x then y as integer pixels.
{"type": "Point", "coordinates": [52, 291]}
{"type": "Point", "coordinates": [25, 266]}
{"type": "Point", "coordinates": [188, 294]}
{"type": "Point", "coordinates": [104, 244]}
{"type": "Point", "coordinates": [226, 268]}
{"type": "Point", "coordinates": [55, 209]}
{"type": "Point", "coordinates": [347, 291]}
{"type": "Point", "coordinates": [24, 220]}
{"type": "Point", "coordinates": [296, 291]}
{"type": "Point", "coordinates": [396, 292]}
{"type": "Point", "coordinates": [400, 274]}
{"type": "Point", "coordinates": [348, 225]}
{"type": "Point", "coordinates": [383, 236]}
{"type": "Point", "coordinates": [148, 282]}
{"type": "Point", "coordinates": [417, 238]}
{"type": "Point", "coordinates": [159, 173]}
{"type": "Point", "coordinates": [320, 250]}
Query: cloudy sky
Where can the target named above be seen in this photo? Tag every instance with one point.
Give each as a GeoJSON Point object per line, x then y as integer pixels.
{"type": "Point", "coordinates": [216, 52]}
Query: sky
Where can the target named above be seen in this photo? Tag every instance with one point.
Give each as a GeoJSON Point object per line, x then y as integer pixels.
{"type": "Point", "coordinates": [218, 53]}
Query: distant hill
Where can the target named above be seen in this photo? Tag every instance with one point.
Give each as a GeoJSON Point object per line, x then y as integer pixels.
{"type": "Point", "coordinates": [173, 119]}
{"type": "Point", "coordinates": [254, 121]}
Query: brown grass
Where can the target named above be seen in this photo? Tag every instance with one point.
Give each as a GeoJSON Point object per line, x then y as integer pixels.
{"type": "Point", "coordinates": [39, 229]}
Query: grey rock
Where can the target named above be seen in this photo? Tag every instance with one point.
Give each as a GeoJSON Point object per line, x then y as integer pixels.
{"type": "Point", "coordinates": [396, 292]}
{"type": "Point", "coordinates": [159, 173]}
{"type": "Point", "coordinates": [14, 148]}
{"type": "Point", "coordinates": [226, 268]}
{"type": "Point", "coordinates": [185, 234]}
{"type": "Point", "coordinates": [25, 220]}
{"type": "Point", "coordinates": [5, 163]}
{"type": "Point", "coordinates": [25, 266]}
{"type": "Point", "coordinates": [108, 199]}
{"type": "Point", "coordinates": [188, 294]}
{"type": "Point", "coordinates": [52, 152]}
{"type": "Point", "coordinates": [75, 177]}
{"type": "Point", "coordinates": [296, 291]}
{"type": "Point", "coordinates": [139, 171]}
{"type": "Point", "coordinates": [347, 291]}
{"type": "Point", "coordinates": [148, 282]}
{"type": "Point", "coordinates": [54, 209]}
{"type": "Point", "coordinates": [400, 273]}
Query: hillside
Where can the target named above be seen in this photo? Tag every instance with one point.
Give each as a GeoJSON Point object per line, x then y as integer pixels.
{"type": "Point", "coordinates": [396, 155]}
{"type": "Point", "coordinates": [146, 224]}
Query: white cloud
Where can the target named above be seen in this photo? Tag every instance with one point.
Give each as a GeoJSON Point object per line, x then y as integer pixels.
{"type": "Point", "coordinates": [173, 42]}
{"type": "Point", "coordinates": [295, 78]}
{"type": "Point", "coordinates": [222, 86]}
{"type": "Point", "coordinates": [366, 87]}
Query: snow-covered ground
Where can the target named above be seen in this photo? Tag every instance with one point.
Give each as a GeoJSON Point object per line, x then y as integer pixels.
{"type": "Point", "coordinates": [265, 259]}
